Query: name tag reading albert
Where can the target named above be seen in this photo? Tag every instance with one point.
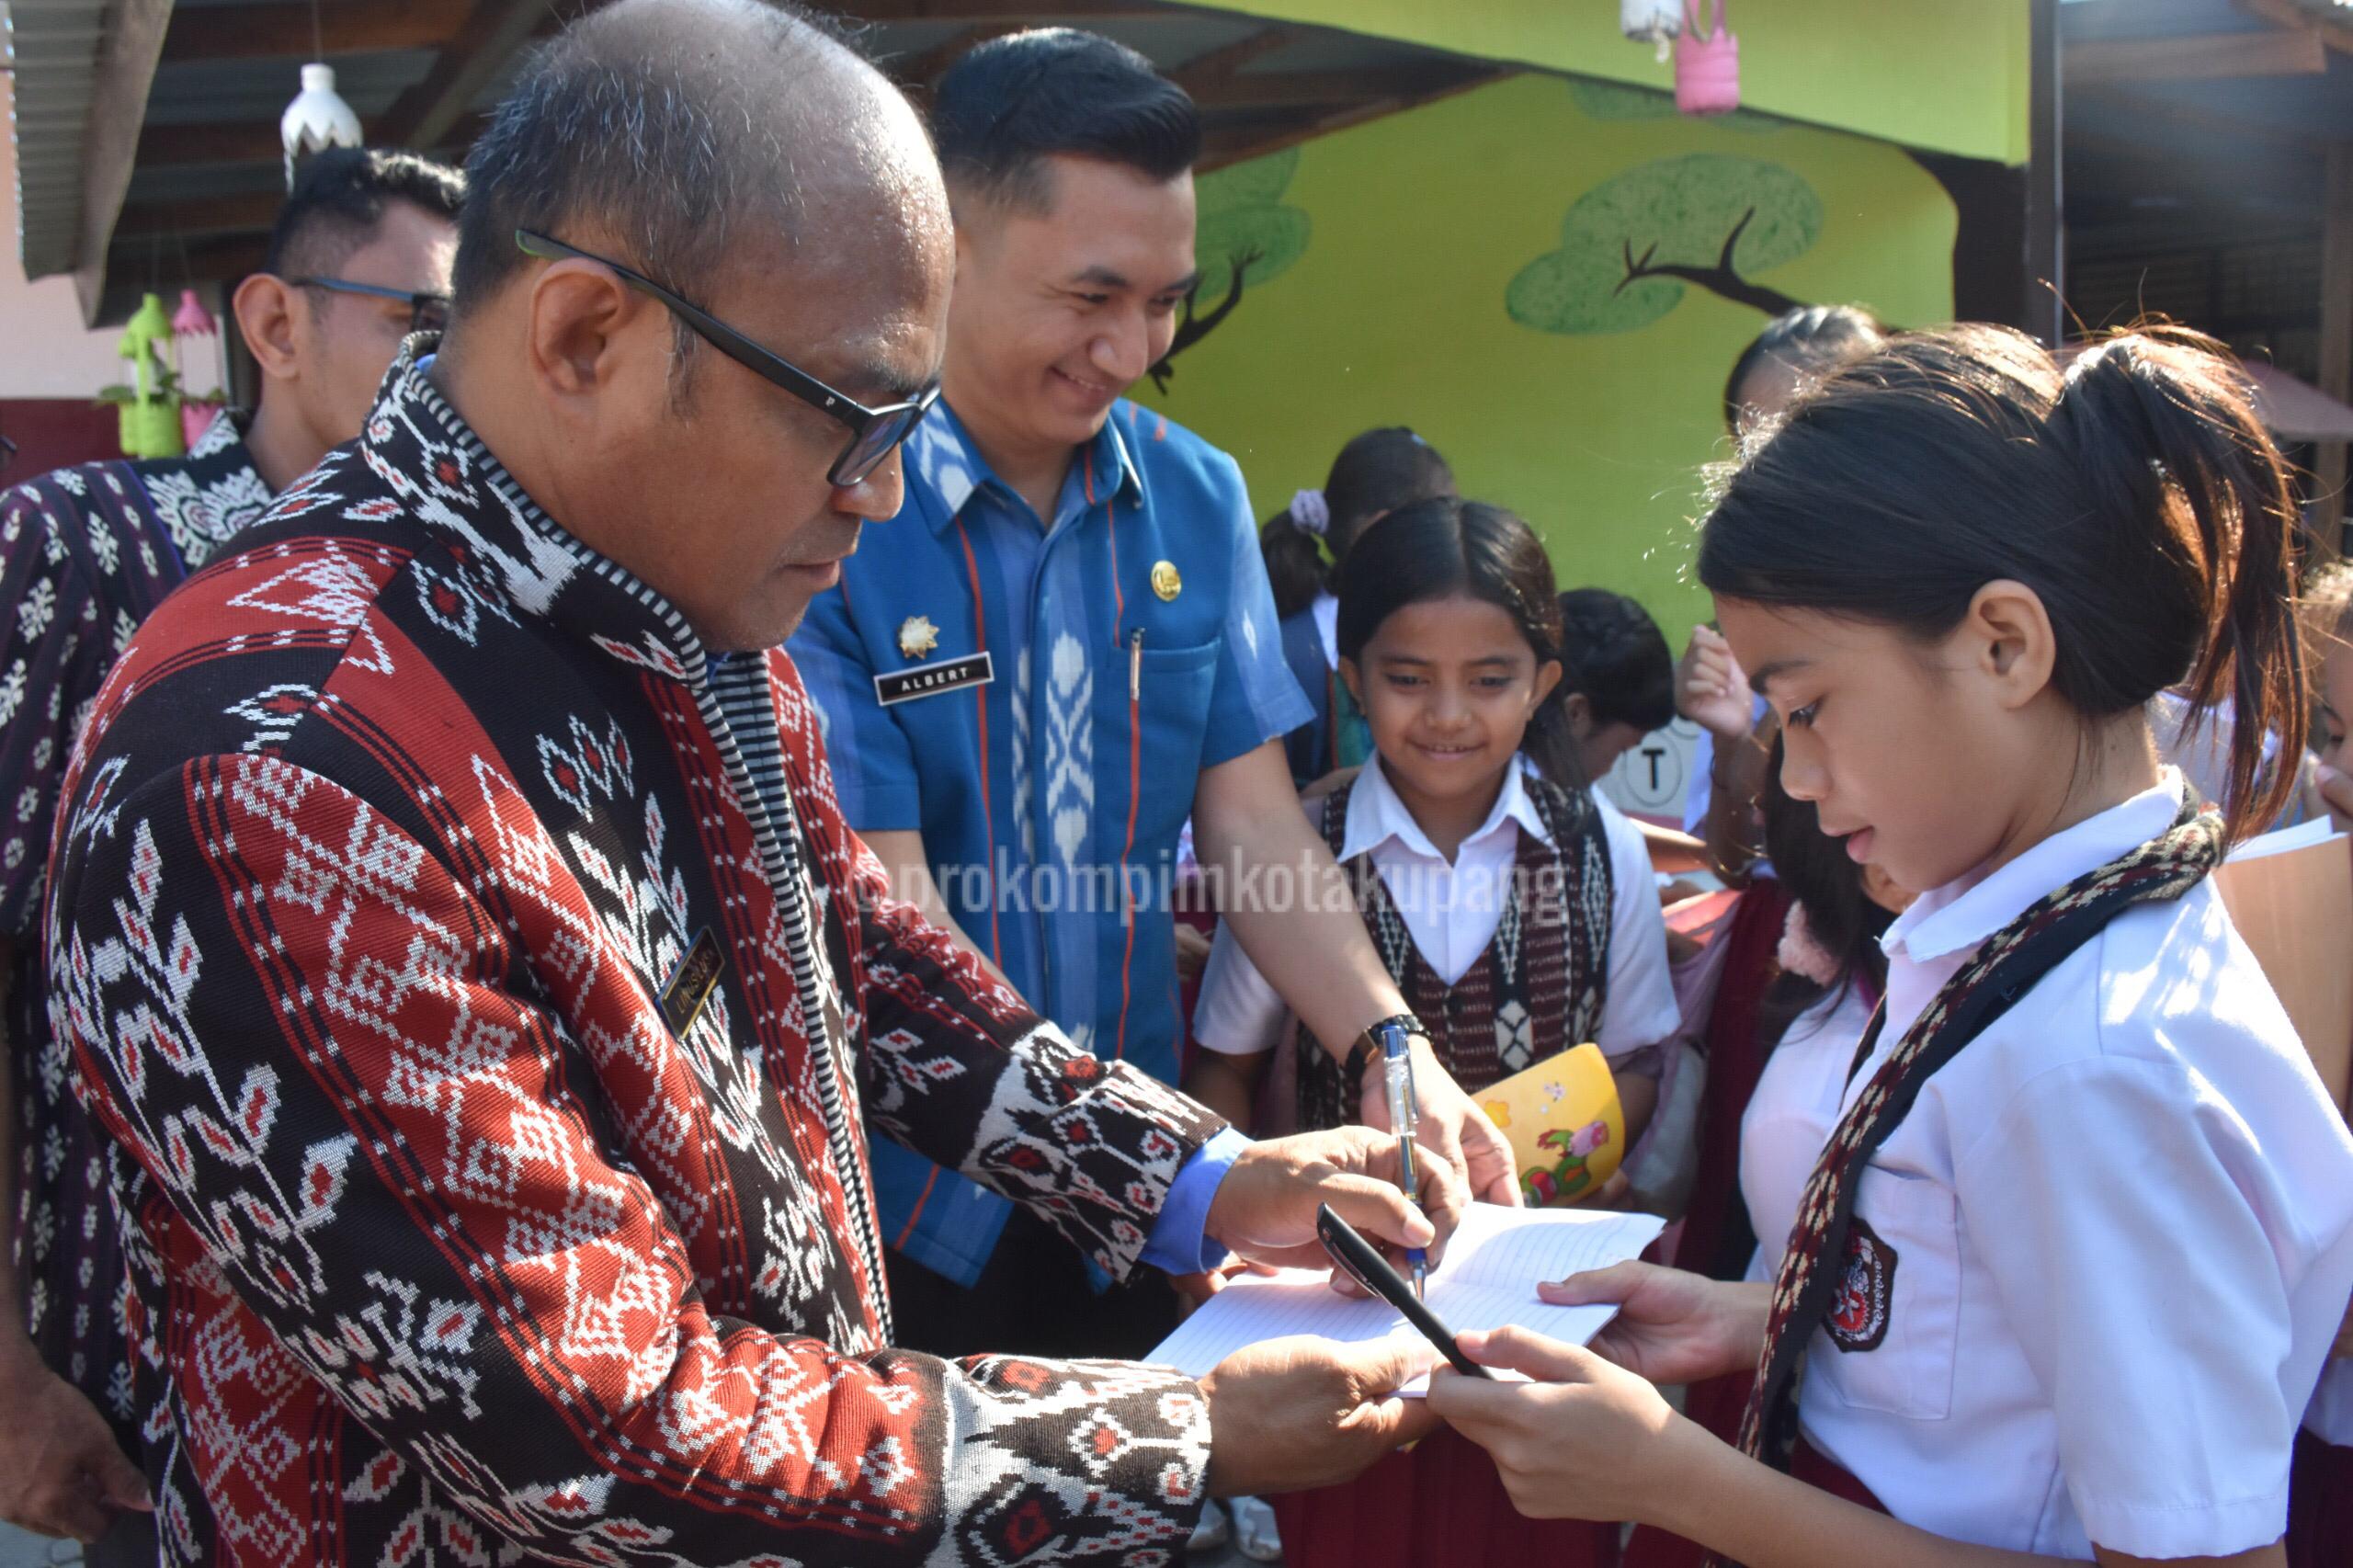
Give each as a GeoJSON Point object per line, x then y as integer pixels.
{"type": "Point", "coordinates": [930, 680]}
{"type": "Point", "coordinates": [692, 982]}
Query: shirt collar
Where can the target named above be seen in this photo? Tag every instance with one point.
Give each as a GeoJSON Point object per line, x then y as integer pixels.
{"type": "Point", "coordinates": [1964, 911]}
{"type": "Point", "coordinates": [228, 429]}
{"type": "Point", "coordinates": [942, 458]}
{"type": "Point", "coordinates": [442, 475]}
{"type": "Point", "coordinates": [1376, 816]}
{"type": "Point", "coordinates": [1327, 611]}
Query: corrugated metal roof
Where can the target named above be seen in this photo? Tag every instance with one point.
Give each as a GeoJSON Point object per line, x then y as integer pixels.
{"type": "Point", "coordinates": [54, 46]}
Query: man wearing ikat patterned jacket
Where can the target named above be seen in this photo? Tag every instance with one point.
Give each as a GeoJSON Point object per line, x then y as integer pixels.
{"type": "Point", "coordinates": [453, 924]}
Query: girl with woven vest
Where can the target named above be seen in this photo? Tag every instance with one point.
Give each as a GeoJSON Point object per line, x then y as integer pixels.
{"type": "Point", "coordinates": [1517, 918]}
{"type": "Point", "coordinates": [2063, 1278]}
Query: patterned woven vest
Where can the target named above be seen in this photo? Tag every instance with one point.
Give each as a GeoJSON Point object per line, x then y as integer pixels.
{"type": "Point", "coordinates": [2011, 960]}
{"type": "Point", "coordinates": [1535, 990]}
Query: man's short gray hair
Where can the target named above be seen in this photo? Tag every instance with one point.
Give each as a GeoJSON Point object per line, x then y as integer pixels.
{"type": "Point", "coordinates": [646, 131]}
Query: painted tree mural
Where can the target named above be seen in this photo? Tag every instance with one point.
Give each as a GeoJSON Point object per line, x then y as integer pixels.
{"type": "Point", "coordinates": [1244, 237]}
{"type": "Point", "coordinates": [1619, 101]}
{"type": "Point", "coordinates": [1634, 243]}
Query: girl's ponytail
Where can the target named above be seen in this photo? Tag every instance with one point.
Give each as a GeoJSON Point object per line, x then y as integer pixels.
{"type": "Point", "coordinates": [1295, 567]}
{"type": "Point", "coordinates": [2137, 495]}
{"type": "Point", "coordinates": [1551, 745]}
{"type": "Point", "coordinates": [2163, 431]}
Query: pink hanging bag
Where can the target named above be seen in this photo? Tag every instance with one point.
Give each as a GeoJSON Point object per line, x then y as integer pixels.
{"type": "Point", "coordinates": [1707, 61]}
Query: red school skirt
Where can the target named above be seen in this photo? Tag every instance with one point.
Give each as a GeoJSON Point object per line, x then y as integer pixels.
{"type": "Point", "coordinates": [1441, 1503]}
{"type": "Point", "coordinates": [2320, 1504]}
{"type": "Point", "coordinates": [1657, 1549]}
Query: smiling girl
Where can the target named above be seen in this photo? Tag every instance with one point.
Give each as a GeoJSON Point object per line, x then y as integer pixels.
{"type": "Point", "coordinates": [1519, 918]}
{"type": "Point", "coordinates": [2063, 1278]}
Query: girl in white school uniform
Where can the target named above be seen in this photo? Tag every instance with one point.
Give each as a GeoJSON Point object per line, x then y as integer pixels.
{"type": "Point", "coordinates": [1810, 1021]}
{"type": "Point", "coordinates": [1517, 916]}
{"type": "Point", "coordinates": [2063, 1279]}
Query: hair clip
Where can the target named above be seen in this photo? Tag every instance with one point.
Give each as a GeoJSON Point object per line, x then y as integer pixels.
{"type": "Point", "coordinates": [1311, 511]}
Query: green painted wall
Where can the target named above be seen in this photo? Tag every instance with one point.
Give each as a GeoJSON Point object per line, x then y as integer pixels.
{"type": "Point", "coordinates": [1949, 75]}
{"type": "Point", "coordinates": [1386, 255]}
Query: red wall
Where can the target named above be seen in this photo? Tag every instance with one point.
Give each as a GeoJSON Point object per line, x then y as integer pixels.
{"type": "Point", "coordinates": [51, 432]}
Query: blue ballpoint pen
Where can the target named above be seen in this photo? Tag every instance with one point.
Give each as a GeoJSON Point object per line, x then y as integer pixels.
{"type": "Point", "coordinates": [1397, 1064]}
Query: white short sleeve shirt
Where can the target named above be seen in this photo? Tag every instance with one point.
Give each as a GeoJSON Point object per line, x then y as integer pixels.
{"type": "Point", "coordinates": [1790, 1114]}
{"type": "Point", "coordinates": [1451, 910]}
{"type": "Point", "coordinates": [2116, 1233]}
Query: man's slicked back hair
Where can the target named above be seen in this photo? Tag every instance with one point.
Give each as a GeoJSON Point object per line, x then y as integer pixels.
{"type": "Point", "coordinates": [1011, 103]}
{"type": "Point", "coordinates": [339, 198]}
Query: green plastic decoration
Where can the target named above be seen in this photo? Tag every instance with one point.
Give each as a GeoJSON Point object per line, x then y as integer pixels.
{"type": "Point", "coordinates": [148, 412]}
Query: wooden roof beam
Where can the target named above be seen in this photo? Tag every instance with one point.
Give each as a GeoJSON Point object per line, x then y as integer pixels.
{"type": "Point", "coordinates": [1236, 144]}
{"type": "Point", "coordinates": [1214, 69]}
{"type": "Point", "coordinates": [2202, 57]}
{"type": "Point", "coordinates": [2191, 117]}
{"type": "Point", "coordinates": [920, 68]}
{"type": "Point", "coordinates": [245, 211]}
{"type": "Point", "coordinates": [1300, 89]}
{"type": "Point", "coordinates": [169, 146]}
{"type": "Point", "coordinates": [470, 60]}
{"type": "Point", "coordinates": [2336, 35]}
{"type": "Point", "coordinates": [259, 31]}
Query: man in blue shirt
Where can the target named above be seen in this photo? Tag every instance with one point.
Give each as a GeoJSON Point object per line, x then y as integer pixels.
{"type": "Point", "coordinates": [1063, 646]}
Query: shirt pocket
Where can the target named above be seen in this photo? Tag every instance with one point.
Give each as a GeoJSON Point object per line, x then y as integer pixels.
{"type": "Point", "coordinates": [1894, 1319]}
{"type": "Point", "coordinates": [1172, 688]}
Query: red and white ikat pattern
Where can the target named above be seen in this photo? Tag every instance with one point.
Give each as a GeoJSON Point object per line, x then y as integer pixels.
{"type": "Point", "coordinates": [381, 846]}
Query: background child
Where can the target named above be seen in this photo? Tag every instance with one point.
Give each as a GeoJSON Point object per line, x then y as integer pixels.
{"type": "Point", "coordinates": [2327, 609]}
{"type": "Point", "coordinates": [2066, 1273]}
{"type": "Point", "coordinates": [1517, 920]}
{"type": "Point", "coordinates": [1617, 678]}
{"type": "Point", "coordinates": [1375, 473]}
{"type": "Point", "coordinates": [2320, 1502]}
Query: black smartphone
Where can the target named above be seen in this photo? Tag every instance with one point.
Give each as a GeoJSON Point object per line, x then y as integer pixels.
{"type": "Point", "coordinates": [1363, 1262]}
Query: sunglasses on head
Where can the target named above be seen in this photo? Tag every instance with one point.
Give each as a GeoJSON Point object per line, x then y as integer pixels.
{"type": "Point", "coordinates": [426, 313]}
{"type": "Point", "coordinates": [874, 433]}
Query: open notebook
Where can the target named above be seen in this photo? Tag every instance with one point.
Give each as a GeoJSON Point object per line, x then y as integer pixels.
{"type": "Point", "coordinates": [1488, 1280]}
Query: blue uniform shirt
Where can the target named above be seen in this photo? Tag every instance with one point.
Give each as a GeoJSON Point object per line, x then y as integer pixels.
{"type": "Point", "coordinates": [1131, 642]}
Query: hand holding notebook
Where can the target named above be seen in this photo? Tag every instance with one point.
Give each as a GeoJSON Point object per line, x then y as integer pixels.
{"type": "Point", "coordinates": [1488, 1280]}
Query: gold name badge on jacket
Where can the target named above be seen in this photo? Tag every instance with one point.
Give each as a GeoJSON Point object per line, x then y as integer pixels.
{"type": "Point", "coordinates": [1165, 580]}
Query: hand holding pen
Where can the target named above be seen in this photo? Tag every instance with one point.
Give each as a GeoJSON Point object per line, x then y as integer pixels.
{"type": "Point", "coordinates": [1397, 1072]}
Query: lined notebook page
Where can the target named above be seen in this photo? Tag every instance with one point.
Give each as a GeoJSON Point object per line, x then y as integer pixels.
{"type": "Point", "coordinates": [1487, 1280]}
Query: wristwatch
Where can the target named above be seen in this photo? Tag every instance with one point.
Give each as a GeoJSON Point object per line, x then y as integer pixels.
{"type": "Point", "coordinates": [1368, 1045]}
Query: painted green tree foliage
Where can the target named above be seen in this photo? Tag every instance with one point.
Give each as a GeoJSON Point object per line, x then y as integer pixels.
{"type": "Point", "coordinates": [1244, 237]}
{"type": "Point", "coordinates": [1618, 100]}
{"type": "Point", "coordinates": [1632, 245]}
{"type": "Point", "coordinates": [1243, 219]}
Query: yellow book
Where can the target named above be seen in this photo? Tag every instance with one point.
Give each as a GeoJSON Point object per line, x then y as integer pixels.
{"type": "Point", "coordinates": [1567, 1130]}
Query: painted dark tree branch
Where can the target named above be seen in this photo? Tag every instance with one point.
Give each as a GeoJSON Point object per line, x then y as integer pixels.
{"type": "Point", "coordinates": [1192, 328]}
{"type": "Point", "coordinates": [1722, 280]}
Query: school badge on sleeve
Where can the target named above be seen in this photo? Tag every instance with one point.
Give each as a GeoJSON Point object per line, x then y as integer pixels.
{"type": "Point", "coordinates": [1858, 1307]}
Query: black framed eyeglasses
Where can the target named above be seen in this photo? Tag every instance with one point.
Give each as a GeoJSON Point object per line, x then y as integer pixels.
{"type": "Point", "coordinates": [426, 313]}
{"type": "Point", "coordinates": [874, 433]}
